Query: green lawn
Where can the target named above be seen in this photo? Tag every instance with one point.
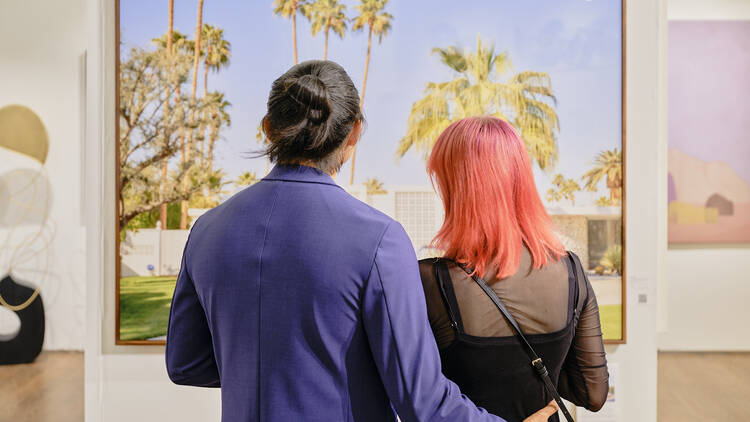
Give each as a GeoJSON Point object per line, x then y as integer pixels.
{"type": "Point", "coordinates": [144, 306]}
{"type": "Point", "coordinates": [144, 309]}
{"type": "Point", "coordinates": [611, 317]}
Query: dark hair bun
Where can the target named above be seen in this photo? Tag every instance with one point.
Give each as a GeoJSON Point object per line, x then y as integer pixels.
{"type": "Point", "coordinates": [312, 108]}
{"type": "Point", "coordinates": [310, 93]}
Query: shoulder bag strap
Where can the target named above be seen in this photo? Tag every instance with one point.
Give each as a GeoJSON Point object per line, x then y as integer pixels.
{"type": "Point", "coordinates": [536, 361]}
{"type": "Point", "coordinates": [449, 296]}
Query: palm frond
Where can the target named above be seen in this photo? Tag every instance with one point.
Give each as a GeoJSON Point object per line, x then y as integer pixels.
{"type": "Point", "coordinates": [526, 100]}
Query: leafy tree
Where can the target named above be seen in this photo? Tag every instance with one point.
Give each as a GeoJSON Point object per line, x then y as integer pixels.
{"type": "Point", "coordinates": [247, 178]}
{"type": "Point", "coordinates": [373, 17]}
{"type": "Point", "coordinates": [288, 9]}
{"type": "Point", "coordinates": [608, 164]}
{"type": "Point", "coordinates": [148, 135]}
{"type": "Point", "coordinates": [563, 189]}
{"type": "Point", "coordinates": [525, 99]}
{"type": "Point", "coordinates": [148, 220]}
{"type": "Point", "coordinates": [210, 195]}
{"type": "Point", "coordinates": [326, 15]}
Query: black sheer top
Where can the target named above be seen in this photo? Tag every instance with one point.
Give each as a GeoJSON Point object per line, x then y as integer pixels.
{"type": "Point", "coordinates": [557, 311]}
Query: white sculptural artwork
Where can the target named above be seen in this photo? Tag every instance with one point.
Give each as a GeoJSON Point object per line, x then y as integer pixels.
{"type": "Point", "coordinates": [25, 232]}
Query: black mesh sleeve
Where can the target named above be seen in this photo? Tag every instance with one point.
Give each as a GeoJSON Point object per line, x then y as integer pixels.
{"type": "Point", "coordinates": [584, 379]}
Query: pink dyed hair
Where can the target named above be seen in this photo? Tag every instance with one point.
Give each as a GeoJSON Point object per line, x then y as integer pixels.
{"type": "Point", "coordinates": [492, 208]}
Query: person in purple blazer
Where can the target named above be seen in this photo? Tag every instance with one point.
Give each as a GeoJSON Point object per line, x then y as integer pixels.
{"type": "Point", "coordinates": [301, 302]}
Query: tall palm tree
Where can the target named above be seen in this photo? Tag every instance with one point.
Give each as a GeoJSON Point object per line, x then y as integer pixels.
{"type": "Point", "coordinates": [216, 52]}
{"type": "Point", "coordinates": [378, 22]}
{"type": "Point", "coordinates": [189, 147]}
{"type": "Point", "coordinates": [373, 187]}
{"type": "Point", "coordinates": [524, 99]}
{"type": "Point", "coordinates": [607, 164]}
{"type": "Point", "coordinates": [563, 189]}
{"type": "Point", "coordinates": [175, 44]}
{"type": "Point", "coordinates": [326, 15]}
{"type": "Point", "coordinates": [219, 118]}
{"type": "Point", "coordinates": [288, 9]}
{"type": "Point", "coordinates": [163, 208]}
{"type": "Point", "coordinates": [182, 45]}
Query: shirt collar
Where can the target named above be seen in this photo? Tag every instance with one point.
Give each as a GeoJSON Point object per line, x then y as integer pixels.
{"type": "Point", "coordinates": [299, 173]}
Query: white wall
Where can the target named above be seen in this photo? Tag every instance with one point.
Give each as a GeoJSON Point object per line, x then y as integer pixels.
{"type": "Point", "coordinates": [42, 67]}
{"type": "Point", "coordinates": [122, 383]}
{"type": "Point", "coordinates": [645, 230]}
{"type": "Point", "coordinates": [707, 287]}
{"type": "Point", "coordinates": [129, 383]}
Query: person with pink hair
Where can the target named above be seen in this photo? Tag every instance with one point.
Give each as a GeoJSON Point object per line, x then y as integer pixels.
{"type": "Point", "coordinates": [500, 253]}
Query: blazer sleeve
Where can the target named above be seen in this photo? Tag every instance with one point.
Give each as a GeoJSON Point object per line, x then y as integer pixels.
{"type": "Point", "coordinates": [189, 353]}
{"type": "Point", "coordinates": [401, 340]}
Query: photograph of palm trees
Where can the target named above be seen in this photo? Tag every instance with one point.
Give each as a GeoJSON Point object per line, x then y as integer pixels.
{"type": "Point", "coordinates": [194, 77]}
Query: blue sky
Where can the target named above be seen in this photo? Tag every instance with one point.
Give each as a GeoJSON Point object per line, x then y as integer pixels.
{"type": "Point", "coordinates": [576, 41]}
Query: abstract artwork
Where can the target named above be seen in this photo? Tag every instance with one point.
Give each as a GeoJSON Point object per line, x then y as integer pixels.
{"type": "Point", "coordinates": [191, 101]}
{"type": "Point", "coordinates": [709, 132]}
{"type": "Point", "coordinates": [26, 232]}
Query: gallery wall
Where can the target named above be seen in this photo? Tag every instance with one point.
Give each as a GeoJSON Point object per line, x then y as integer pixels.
{"type": "Point", "coordinates": [129, 382]}
{"type": "Point", "coordinates": [42, 67]}
{"type": "Point", "coordinates": [705, 297]}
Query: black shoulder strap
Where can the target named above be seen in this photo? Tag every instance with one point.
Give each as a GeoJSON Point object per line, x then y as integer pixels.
{"type": "Point", "coordinates": [449, 296]}
{"type": "Point", "coordinates": [536, 361]}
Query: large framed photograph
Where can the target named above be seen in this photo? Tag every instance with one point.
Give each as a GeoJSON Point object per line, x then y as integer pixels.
{"type": "Point", "coordinates": [193, 79]}
{"type": "Point", "coordinates": [709, 181]}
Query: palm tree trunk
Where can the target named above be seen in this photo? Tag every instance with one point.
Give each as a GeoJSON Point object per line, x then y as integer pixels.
{"type": "Point", "coordinates": [163, 207]}
{"type": "Point", "coordinates": [362, 98]}
{"type": "Point", "coordinates": [178, 93]}
{"type": "Point", "coordinates": [367, 68]}
{"type": "Point", "coordinates": [325, 48]}
{"type": "Point", "coordinates": [614, 190]}
{"type": "Point", "coordinates": [294, 31]}
{"type": "Point", "coordinates": [171, 26]}
{"type": "Point", "coordinates": [190, 143]}
{"type": "Point", "coordinates": [205, 79]}
{"type": "Point", "coordinates": [211, 141]}
{"type": "Point", "coordinates": [205, 95]}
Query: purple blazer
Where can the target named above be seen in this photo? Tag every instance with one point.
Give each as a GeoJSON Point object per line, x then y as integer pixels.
{"type": "Point", "coordinates": [304, 304]}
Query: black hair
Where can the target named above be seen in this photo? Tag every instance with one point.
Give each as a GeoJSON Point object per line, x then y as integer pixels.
{"type": "Point", "coordinates": [312, 108]}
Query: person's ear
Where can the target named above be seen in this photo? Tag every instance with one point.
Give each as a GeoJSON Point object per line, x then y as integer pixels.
{"type": "Point", "coordinates": [355, 134]}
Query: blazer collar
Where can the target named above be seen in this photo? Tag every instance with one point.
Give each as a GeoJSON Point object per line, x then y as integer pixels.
{"type": "Point", "coordinates": [299, 173]}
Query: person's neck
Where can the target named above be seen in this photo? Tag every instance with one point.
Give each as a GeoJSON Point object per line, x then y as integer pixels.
{"type": "Point", "coordinates": [308, 163]}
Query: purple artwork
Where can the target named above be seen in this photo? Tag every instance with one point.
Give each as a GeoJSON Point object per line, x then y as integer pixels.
{"type": "Point", "coordinates": [709, 132]}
